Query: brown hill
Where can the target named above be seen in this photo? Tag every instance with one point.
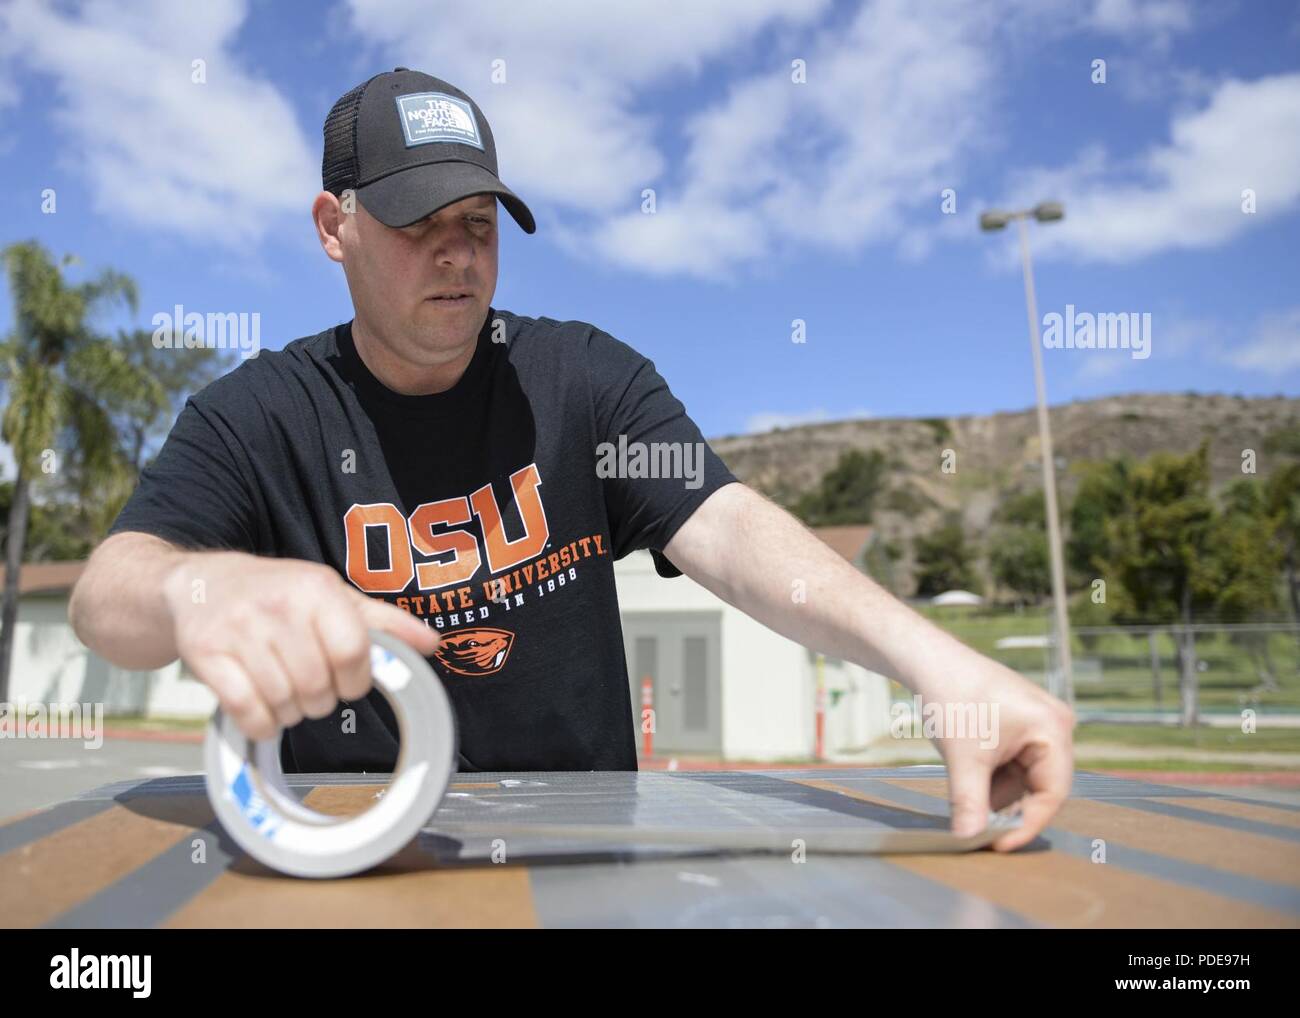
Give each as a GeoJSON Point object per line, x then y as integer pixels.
{"type": "Point", "coordinates": [997, 455]}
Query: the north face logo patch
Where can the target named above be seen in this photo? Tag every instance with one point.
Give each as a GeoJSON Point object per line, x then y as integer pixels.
{"type": "Point", "coordinates": [436, 116]}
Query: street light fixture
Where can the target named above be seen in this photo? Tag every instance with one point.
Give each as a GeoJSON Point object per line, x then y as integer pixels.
{"type": "Point", "coordinates": [1044, 212]}
{"type": "Point", "coordinates": [995, 219]}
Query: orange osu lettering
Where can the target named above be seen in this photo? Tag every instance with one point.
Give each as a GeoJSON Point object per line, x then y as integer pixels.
{"type": "Point", "coordinates": [424, 533]}
{"type": "Point", "coordinates": [400, 564]}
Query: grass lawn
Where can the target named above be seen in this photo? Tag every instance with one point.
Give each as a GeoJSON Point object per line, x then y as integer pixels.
{"type": "Point", "coordinates": [1276, 740]}
{"type": "Point", "coordinates": [1082, 763]}
{"type": "Point", "coordinates": [155, 724]}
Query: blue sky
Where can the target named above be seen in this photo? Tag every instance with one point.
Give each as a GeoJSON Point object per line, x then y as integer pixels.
{"type": "Point", "coordinates": [776, 200]}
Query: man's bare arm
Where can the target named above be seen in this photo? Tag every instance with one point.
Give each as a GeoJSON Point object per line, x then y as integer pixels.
{"type": "Point", "coordinates": [777, 571]}
{"type": "Point", "coordinates": [276, 640]}
{"type": "Point", "coordinates": [118, 608]}
{"type": "Point", "coordinates": [753, 554]}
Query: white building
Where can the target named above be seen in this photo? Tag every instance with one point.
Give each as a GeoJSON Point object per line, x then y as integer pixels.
{"type": "Point", "coordinates": [722, 684]}
{"type": "Point", "coordinates": [50, 665]}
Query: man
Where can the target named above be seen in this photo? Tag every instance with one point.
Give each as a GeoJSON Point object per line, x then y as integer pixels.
{"type": "Point", "coordinates": [430, 469]}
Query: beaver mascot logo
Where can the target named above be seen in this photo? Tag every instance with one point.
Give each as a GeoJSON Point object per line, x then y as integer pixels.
{"type": "Point", "coordinates": [475, 651]}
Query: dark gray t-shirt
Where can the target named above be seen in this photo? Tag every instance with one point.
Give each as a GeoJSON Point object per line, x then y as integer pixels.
{"type": "Point", "coordinates": [487, 511]}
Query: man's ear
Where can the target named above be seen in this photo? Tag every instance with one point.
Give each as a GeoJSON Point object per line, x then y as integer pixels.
{"type": "Point", "coordinates": [329, 215]}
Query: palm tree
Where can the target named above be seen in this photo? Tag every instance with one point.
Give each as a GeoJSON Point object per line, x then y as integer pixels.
{"type": "Point", "coordinates": [143, 424]}
{"type": "Point", "coordinates": [64, 382]}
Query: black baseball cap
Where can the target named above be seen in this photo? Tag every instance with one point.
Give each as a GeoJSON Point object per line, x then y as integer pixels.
{"type": "Point", "coordinates": [410, 144]}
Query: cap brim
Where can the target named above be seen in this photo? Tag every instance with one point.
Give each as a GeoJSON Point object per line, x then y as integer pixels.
{"type": "Point", "coordinates": [410, 195]}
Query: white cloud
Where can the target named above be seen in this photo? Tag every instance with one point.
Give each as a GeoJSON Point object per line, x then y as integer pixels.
{"type": "Point", "coordinates": [594, 109]}
{"type": "Point", "coordinates": [1273, 347]}
{"type": "Point", "coordinates": [1172, 338]}
{"type": "Point", "coordinates": [1186, 194]}
{"type": "Point", "coordinates": [217, 161]}
{"type": "Point", "coordinates": [1124, 17]}
{"type": "Point", "coordinates": [567, 118]}
{"type": "Point", "coordinates": [1270, 345]}
{"type": "Point", "coordinates": [892, 98]}
{"type": "Point", "coordinates": [891, 102]}
{"type": "Point", "coordinates": [767, 420]}
{"type": "Point", "coordinates": [1184, 337]}
{"type": "Point", "coordinates": [898, 96]}
{"type": "Point", "coordinates": [8, 87]}
{"type": "Point", "coordinates": [1097, 365]}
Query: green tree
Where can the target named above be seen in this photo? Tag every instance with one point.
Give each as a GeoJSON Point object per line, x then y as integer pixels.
{"type": "Point", "coordinates": [1017, 546]}
{"type": "Point", "coordinates": [1101, 496]}
{"type": "Point", "coordinates": [144, 416]}
{"type": "Point", "coordinates": [145, 419]}
{"type": "Point", "coordinates": [1158, 540]}
{"type": "Point", "coordinates": [1285, 440]}
{"type": "Point", "coordinates": [1245, 562]}
{"type": "Point", "coordinates": [1022, 509]}
{"type": "Point", "coordinates": [1282, 497]}
{"type": "Point", "coordinates": [62, 383]}
{"type": "Point", "coordinates": [55, 532]}
{"type": "Point", "coordinates": [943, 560]}
{"type": "Point", "coordinates": [1018, 560]}
{"type": "Point", "coordinates": [847, 492]}
{"type": "Point", "coordinates": [1158, 547]}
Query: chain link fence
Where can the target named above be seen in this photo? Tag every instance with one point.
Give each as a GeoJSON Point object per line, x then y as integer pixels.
{"type": "Point", "coordinates": [1183, 673]}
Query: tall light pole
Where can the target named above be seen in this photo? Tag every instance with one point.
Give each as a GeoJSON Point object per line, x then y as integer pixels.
{"type": "Point", "coordinates": [1045, 212]}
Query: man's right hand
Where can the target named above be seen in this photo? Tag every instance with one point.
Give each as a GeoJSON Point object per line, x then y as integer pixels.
{"type": "Point", "coordinates": [278, 640]}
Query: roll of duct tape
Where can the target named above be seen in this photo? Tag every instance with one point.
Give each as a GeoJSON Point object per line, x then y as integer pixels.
{"type": "Point", "coordinates": [251, 799]}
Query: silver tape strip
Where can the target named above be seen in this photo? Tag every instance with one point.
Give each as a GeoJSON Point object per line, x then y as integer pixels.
{"type": "Point", "coordinates": [816, 841]}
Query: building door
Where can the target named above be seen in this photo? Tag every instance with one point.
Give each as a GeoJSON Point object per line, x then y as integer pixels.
{"type": "Point", "coordinates": [682, 654]}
